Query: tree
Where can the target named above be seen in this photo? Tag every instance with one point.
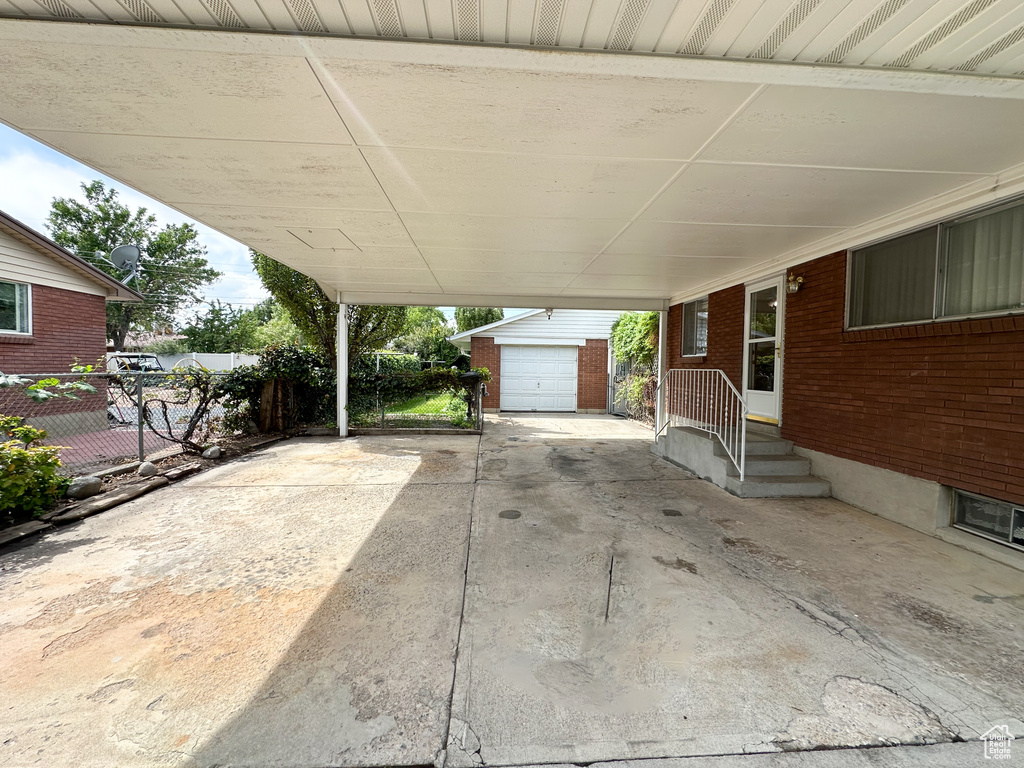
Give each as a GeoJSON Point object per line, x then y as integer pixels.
{"type": "Point", "coordinates": [426, 335]}
{"type": "Point", "coordinates": [467, 318]}
{"type": "Point", "coordinates": [172, 270]}
{"type": "Point", "coordinates": [635, 338]}
{"type": "Point", "coordinates": [222, 328]}
{"type": "Point", "coordinates": [316, 316]}
{"type": "Point", "coordinates": [278, 330]}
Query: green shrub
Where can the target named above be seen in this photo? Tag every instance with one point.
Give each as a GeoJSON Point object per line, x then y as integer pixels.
{"type": "Point", "coordinates": [634, 338]}
{"type": "Point", "coordinates": [29, 479]}
{"type": "Point", "coordinates": [314, 386]}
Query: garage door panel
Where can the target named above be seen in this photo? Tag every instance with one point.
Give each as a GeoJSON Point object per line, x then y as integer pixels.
{"type": "Point", "coordinates": [538, 378]}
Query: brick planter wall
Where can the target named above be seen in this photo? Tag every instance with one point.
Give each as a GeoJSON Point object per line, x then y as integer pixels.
{"type": "Point", "coordinates": [592, 376]}
{"type": "Point", "coordinates": [940, 401]}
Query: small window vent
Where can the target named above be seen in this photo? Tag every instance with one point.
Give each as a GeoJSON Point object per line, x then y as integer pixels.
{"type": "Point", "coordinates": [468, 19]}
{"type": "Point", "coordinates": [713, 16]}
{"type": "Point", "coordinates": [388, 21]}
{"type": "Point", "coordinates": [549, 21]}
{"type": "Point", "coordinates": [941, 32]}
{"type": "Point", "coordinates": [224, 13]}
{"type": "Point", "coordinates": [1000, 45]}
{"type": "Point", "coordinates": [785, 28]}
{"type": "Point", "coordinates": [997, 520]}
{"type": "Point", "coordinates": [864, 30]}
{"type": "Point", "coordinates": [142, 11]}
{"type": "Point", "coordinates": [629, 21]}
{"type": "Point", "coordinates": [306, 16]}
{"type": "Point", "coordinates": [63, 10]}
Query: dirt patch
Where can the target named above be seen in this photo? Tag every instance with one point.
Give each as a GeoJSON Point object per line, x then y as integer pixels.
{"type": "Point", "coordinates": [757, 552]}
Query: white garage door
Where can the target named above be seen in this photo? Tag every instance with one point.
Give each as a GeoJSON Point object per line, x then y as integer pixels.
{"type": "Point", "coordinates": [538, 378]}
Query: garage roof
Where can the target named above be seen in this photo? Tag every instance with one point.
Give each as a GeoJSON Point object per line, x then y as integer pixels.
{"type": "Point", "coordinates": [465, 174]}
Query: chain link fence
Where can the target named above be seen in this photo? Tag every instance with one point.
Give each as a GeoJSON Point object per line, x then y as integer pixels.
{"type": "Point", "coordinates": [439, 409]}
{"type": "Point", "coordinates": [131, 417]}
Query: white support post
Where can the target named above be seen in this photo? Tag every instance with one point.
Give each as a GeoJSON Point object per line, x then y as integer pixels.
{"type": "Point", "coordinates": [660, 414]}
{"type": "Point", "coordinates": [342, 345]}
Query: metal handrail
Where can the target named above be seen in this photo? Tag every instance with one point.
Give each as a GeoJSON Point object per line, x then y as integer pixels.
{"type": "Point", "coordinates": [705, 399]}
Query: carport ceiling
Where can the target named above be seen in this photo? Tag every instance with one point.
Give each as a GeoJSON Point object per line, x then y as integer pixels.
{"type": "Point", "coordinates": [439, 173]}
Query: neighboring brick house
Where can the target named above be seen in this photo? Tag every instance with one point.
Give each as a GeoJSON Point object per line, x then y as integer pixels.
{"type": "Point", "coordinates": [544, 363]}
{"type": "Point", "coordinates": [52, 312]}
{"type": "Point", "coordinates": [896, 368]}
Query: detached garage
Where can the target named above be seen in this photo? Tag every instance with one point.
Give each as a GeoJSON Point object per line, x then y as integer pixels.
{"type": "Point", "coordinates": [545, 361]}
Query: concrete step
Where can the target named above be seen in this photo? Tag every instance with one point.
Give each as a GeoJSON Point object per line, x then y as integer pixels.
{"type": "Point", "coordinates": [774, 464]}
{"type": "Point", "coordinates": [761, 445]}
{"type": "Point", "coordinates": [778, 486]}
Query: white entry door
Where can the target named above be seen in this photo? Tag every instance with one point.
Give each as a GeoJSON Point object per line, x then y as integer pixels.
{"type": "Point", "coordinates": [538, 378]}
{"type": "Point", "coordinates": [762, 348]}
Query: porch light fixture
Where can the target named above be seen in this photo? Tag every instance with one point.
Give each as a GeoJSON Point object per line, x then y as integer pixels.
{"type": "Point", "coordinates": [793, 283]}
{"type": "Point", "coordinates": [549, 311]}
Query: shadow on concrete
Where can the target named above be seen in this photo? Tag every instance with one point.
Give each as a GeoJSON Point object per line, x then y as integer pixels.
{"type": "Point", "coordinates": [368, 679]}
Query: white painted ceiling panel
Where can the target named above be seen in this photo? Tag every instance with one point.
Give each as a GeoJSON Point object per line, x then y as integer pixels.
{"type": "Point", "coordinates": [169, 11]}
{"type": "Point", "coordinates": [504, 261]}
{"type": "Point", "coordinates": [676, 266]}
{"type": "Point", "coordinates": [250, 13]}
{"type": "Point", "coordinates": [493, 184]}
{"type": "Point", "coordinates": [413, 16]}
{"type": "Point", "coordinates": [814, 126]}
{"type": "Point", "coordinates": [182, 171]}
{"type": "Point", "coordinates": [360, 19]}
{"type": "Point", "coordinates": [492, 171]}
{"type": "Point", "coordinates": [762, 18]}
{"type": "Point", "coordinates": [665, 238]}
{"type": "Point", "coordinates": [563, 114]}
{"type": "Point", "coordinates": [217, 96]}
{"type": "Point", "coordinates": [498, 233]}
{"type": "Point", "coordinates": [922, 23]}
{"type": "Point", "coordinates": [967, 40]}
{"type": "Point", "coordinates": [823, 197]}
{"type": "Point", "coordinates": [198, 12]}
{"type": "Point", "coordinates": [722, 22]}
{"type": "Point", "coordinates": [818, 26]}
{"type": "Point", "coordinates": [679, 25]}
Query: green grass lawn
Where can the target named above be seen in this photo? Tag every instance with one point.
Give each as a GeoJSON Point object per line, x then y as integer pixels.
{"type": "Point", "coordinates": [429, 403]}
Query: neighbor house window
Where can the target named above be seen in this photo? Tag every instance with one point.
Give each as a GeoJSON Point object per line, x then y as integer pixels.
{"type": "Point", "coordinates": [695, 327]}
{"type": "Point", "coordinates": [993, 519]}
{"type": "Point", "coordinates": [965, 267]}
{"type": "Point", "coordinates": [14, 308]}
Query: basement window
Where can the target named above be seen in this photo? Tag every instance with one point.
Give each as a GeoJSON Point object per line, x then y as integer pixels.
{"type": "Point", "coordinates": [695, 327]}
{"type": "Point", "coordinates": [14, 308]}
{"type": "Point", "coordinates": [966, 267]}
{"type": "Point", "coordinates": [996, 520]}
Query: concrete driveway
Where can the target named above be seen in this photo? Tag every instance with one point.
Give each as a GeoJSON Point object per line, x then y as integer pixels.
{"type": "Point", "coordinates": [548, 593]}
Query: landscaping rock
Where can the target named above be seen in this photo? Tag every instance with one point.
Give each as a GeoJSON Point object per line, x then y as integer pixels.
{"type": "Point", "coordinates": [147, 469]}
{"type": "Point", "coordinates": [84, 487]}
{"type": "Point", "coordinates": [213, 452]}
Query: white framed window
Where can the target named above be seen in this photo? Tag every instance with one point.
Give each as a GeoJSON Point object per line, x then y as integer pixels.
{"type": "Point", "coordinates": [966, 267]}
{"type": "Point", "coordinates": [15, 308]}
{"type": "Point", "coordinates": [695, 328]}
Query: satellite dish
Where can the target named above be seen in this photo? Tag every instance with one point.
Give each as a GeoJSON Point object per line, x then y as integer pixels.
{"type": "Point", "coordinates": [125, 257]}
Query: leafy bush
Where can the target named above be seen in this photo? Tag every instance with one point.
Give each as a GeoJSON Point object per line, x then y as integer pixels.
{"type": "Point", "coordinates": [167, 347]}
{"type": "Point", "coordinates": [314, 386]}
{"type": "Point", "coordinates": [398, 381]}
{"type": "Point", "coordinates": [634, 338]}
{"type": "Point", "coordinates": [29, 479]}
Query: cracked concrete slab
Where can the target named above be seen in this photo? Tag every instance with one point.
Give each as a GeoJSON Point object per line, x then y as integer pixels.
{"type": "Point", "coordinates": [255, 624]}
{"type": "Point", "coordinates": [622, 615]}
{"type": "Point", "coordinates": [313, 605]}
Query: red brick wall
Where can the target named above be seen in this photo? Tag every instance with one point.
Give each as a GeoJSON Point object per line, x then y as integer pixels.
{"type": "Point", "coordinates": [484, 353]}
{"type": "Point", "coordinates": [940, 401]}
{"type": "Point", "coordinates": [592, 375]}
{"type": "Point", "coordinates": [725, 335]}
{"type": "Point", "coordinates": [65, 325]}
